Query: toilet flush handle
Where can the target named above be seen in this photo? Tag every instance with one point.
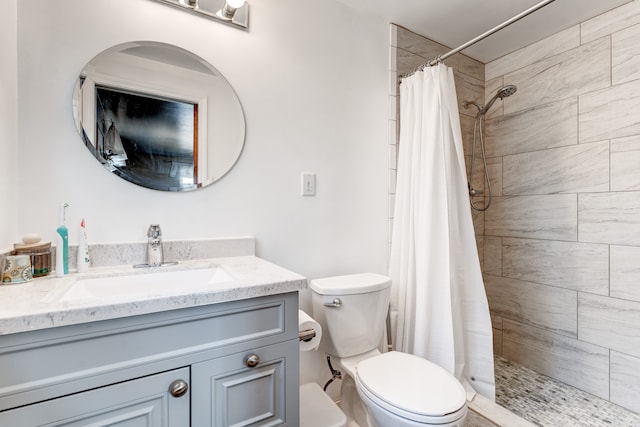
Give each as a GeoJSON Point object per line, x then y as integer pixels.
{"type": "Point", "coordinates": [335, 303]}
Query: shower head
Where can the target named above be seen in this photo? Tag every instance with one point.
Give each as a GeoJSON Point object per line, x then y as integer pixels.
{"type": "Point", "coordinates": [502, 93]}
{"type": "Point", "coordinates": [506, 91]}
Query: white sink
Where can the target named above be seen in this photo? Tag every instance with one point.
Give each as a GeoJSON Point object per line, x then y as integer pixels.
{"type": "Point", "coordinates": [148, 284]}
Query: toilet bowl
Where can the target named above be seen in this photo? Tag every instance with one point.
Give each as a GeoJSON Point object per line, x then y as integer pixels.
{"type": "Point", "coordinates": [401, 389]}
{"type": "Point", "coordinates": [380, 389]}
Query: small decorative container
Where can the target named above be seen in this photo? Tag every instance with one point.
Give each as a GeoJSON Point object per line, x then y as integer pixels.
{"type": "Point", "coordinates": [40, 255]}
{"type": "Point", "coordinates": [17, 269]}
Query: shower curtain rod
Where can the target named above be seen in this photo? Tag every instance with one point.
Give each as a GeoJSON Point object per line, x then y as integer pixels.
{"type": "Point", "coordinates": [482, 36]}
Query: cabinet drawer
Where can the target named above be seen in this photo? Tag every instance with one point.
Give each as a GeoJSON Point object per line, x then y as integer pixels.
{"type": "Point", "coordinates": [43, 364]}
{"type": "Point", "coordinates": [144, 401]}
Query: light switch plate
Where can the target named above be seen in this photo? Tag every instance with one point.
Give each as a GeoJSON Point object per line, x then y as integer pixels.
{"type": "Point", "coordinates": [308, 184]}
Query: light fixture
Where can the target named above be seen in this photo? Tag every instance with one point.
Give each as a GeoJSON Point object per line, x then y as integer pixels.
{"type": "Point", "coordinates": [230, 12]}
{"type": "Point", "coordinates": [189, 3]}
{"type": "Point", "coordinates": [229, 9]}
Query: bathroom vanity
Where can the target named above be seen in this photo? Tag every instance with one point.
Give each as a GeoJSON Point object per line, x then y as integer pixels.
{"type": "Point", "coordinates": [178, 356]}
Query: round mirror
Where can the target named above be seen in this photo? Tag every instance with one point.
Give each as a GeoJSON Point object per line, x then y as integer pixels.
{"type": "Point", "coordinates": [158, 116]}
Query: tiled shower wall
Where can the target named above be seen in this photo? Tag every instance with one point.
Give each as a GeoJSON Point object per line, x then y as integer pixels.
{"type": "Point", "coordinates": [562, 238]}
{"type": "Point", "coordinates": [562, 241]}
{"type": "Point", "coordinates": [560, 245]}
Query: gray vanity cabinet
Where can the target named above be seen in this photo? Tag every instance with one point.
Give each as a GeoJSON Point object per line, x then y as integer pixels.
{"type": "Point", "coordinates": [238, 359]}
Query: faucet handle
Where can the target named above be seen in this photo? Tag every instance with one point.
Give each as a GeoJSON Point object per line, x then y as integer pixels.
{"type": "Point", "coordinates": [154, 231]}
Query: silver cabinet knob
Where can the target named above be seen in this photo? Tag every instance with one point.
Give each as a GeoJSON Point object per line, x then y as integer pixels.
{"type": "Point", "coordinates": [252, 360]}
{"type": "Point", "coordinates": [178, 388]}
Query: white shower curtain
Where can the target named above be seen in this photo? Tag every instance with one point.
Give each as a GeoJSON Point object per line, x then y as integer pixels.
{"type": "Point", "coordinates": [438, 298]}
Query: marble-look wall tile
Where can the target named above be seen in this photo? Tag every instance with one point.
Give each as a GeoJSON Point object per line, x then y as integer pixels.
{"type": "Point", "coordinates": [466, 127]}
{"type": "Point", "coordinates": [478, 179]}
{"type": "Point", "coordinates": [393, 58]}
{"type": "Point", "coordinates": [497, 341]}
{"type": "Point", "coordinates": [422, 46]}
{"type": "Point", "coordinates": [470, 66]}
{"type": "Point", "coordinates": [550, 46]}
{"type": "Point", "coordinates": [491, 87]}
{"type": "Point", "coordinates": [625, 272]}
{"type": "Point", "coordinates": [467, 88]}
{"type": "Point", "coordinates": [480, 248]}
{"type": "Point", "coordinates": [407, 61]}
{"type": "Point", "coordinates": [393, 155]}
{"type": "Point", "coordinates": [580, 70]}
{"type": "Point", "coordinates": [496, 321]}
{"type": "Point", "coordinates": [580, 364]}
{"type": "Point", "coordinates": [625, 158]}
{"type": "Point", "coordinates": [609, 218]}
{"type": "Point", "coordinates": [545, 126]}
{"type": "Point", "coordinates": [394, 87]}
{"type": "Point", "coordinates": [625, 55]}
{"type": "Point", "coordinates": [570, 265]}
{"type": "Point", "coordinates": [538, 217]}
{"type": "Point", "coordinates": [574, 169]}
{"type": "Point", "coordinates": [494, 165]}
{"type": "Point", "coordinates": [608, 113]}
{"type": "Point", "coordinates": [493, 256]}
{"type": "Point", "coordinates": [478, 216]}
{"type": "Point", "coordinates": [393, 35]}
{"type": "Point", "coordinates": [393, 107]}
{"type": "Point", "coordinates": [540, 305]}
{"type": "Point", "coordinates": [609, 322]}
{"type": "Point", "coordinates": [610, 22]}
{"type": "Point", "coordinates": [625, 381]}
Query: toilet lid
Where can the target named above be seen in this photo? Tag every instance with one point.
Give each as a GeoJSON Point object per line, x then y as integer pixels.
{"type": "Point", "coordinates": [411, 384]}
{"type": "Point", "coordinates": [350, 284]}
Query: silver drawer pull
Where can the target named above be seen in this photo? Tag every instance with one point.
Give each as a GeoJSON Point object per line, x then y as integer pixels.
{"type": "Point", "coordinates": [178, 388]}
{"type": "Point", "coordinates": [252, 360]}
{"type": "Point", "coordinates": [335, 303]}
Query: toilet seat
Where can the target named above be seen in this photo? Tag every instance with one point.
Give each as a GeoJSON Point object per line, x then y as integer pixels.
{"type": "Point", "coordinates": [412, 388]}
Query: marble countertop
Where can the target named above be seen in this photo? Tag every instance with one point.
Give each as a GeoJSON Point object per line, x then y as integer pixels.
{"type": "Point", "coordinates": [42, 304]}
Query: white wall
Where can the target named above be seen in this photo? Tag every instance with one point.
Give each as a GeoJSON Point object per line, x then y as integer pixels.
{"type": "Point", "coordinates": [312, 79]}
{"type": "Point", "coordinates": [8, 125]}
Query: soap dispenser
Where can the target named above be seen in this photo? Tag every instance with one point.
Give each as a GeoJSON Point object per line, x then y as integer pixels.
{"type": "Point", "coordinates": [62, 245]}
{"type": "Point", "coordinates": [83, 249]}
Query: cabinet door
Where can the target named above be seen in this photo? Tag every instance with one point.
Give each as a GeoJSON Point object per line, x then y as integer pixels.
{"type": "Point", "coordinates": [136, 403]}
{"type": "Point", "coordinates": [230, 391]}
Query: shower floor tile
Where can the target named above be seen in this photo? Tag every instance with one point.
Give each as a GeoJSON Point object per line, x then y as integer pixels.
{"type": "Point", "coordinates": [549, 403]}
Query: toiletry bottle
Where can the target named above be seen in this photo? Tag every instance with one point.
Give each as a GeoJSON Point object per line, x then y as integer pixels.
{"type": "Point", "coordinates": [62, 245]}
{"type": "Point", "coordinates": [83, 249]}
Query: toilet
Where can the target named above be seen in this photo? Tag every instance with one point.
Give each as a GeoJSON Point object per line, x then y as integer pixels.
{"type": "Point", "coordinates": [390, 389]}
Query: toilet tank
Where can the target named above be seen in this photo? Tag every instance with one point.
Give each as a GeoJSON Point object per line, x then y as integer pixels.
{"type": "Point", "coordinates": [352, 311]}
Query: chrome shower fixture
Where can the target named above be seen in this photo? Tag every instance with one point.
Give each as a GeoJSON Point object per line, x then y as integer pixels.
{"type": "Point", "coordinates": [503, 92]}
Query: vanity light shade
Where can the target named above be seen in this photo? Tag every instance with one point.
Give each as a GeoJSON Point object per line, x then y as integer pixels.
{"type": "Point", "coordinates": [229, 9]}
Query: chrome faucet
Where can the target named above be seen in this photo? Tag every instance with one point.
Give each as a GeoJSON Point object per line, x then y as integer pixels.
{"type": "Point", "coordinates": [155, 255]}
